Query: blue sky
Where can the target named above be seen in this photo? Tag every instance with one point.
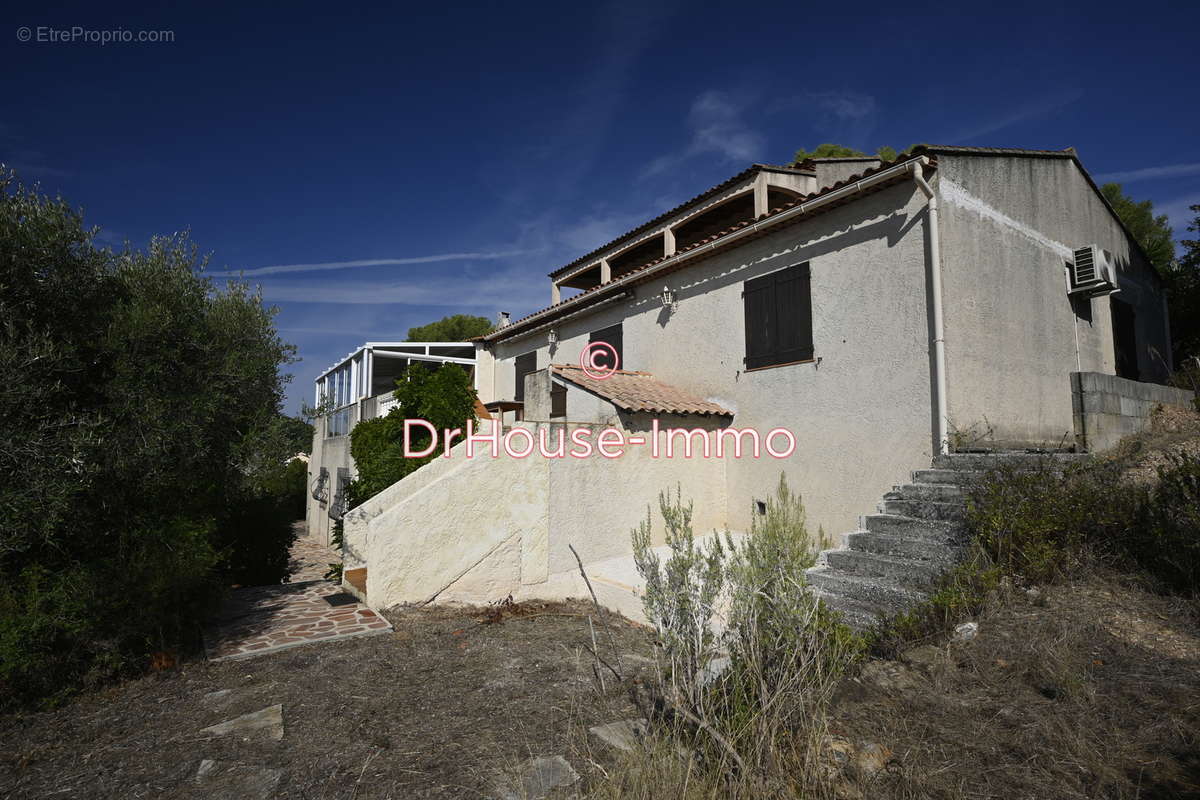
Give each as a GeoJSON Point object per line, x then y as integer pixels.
{"type": "Point", "coordinates": [378, 169]}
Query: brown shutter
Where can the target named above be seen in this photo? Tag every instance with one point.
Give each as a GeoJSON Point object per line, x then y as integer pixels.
{"type": "Point", "coordinates": [758, 299]}
{"type": "Point", "coordinates": [611, 335]}
{"type": "Point", "coordinates": [778, 311]}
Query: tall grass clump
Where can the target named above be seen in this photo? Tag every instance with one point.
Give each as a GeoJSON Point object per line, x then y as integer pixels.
{"type": "Point", "coordinates": [1044, 524]}
{"type": "Point", "coordinates": [750, 654]}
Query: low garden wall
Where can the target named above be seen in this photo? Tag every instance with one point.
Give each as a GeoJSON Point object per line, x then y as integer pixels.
{"type": "Point", "coordinates": [1108, 408]}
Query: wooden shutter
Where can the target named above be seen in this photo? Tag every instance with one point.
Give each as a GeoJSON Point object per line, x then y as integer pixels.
{"type": "Point", "coordinates": [758, 299]}
{"type": "Point", "coordinates": [611, 335]}
{"type": "Point", "coordinates": [778, 311]}
{"type": "Point", "coordinates": [558, 401]}
{"type": "Point", "coordinates": [524, 365]}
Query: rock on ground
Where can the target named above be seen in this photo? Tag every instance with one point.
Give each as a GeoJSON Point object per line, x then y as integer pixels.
{"type": "Point", "coordinates": [226, 780]}
{"type": "Point", "coordinates": [537, 777]}
{"type": "Point", "coordinates": [623, 734]}
{"type": "Point", "coordinates": [269, 719]}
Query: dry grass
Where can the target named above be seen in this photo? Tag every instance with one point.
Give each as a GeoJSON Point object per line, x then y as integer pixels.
{"type": "Point", "coordinates": [1091, 691]}
{"type": "Point", "coordinates": [1172, 431]}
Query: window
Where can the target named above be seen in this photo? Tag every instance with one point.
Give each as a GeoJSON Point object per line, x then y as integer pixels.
{"type": "Point", "coordinates": [524, 365]}
{"type": "Point", "coordinates": [612, 336]}
{"type": "Point", "coordinates": [558, 401]}
{"type": "Point", "coordinates": [778, 309]}
{"type": "Point", "coordinates": [1125, 339]}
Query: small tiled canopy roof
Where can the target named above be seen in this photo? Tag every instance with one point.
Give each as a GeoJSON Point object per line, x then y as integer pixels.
{"type": "Point", "coordinates": [639, 391]}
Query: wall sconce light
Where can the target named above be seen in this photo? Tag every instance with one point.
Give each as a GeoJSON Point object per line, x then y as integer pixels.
{"type": "Point", "coordinates": [552, 337]}
{"type": "Point", "coordinates": [668, 298]}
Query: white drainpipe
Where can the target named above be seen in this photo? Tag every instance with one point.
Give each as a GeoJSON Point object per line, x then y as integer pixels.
{"type": "Point", "coordinates": [939, 336]}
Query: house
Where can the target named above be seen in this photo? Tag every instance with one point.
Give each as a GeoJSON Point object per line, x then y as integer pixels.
{"type": "Point", "coordinates": [882, 313]}
{"type": "Point", "coordinates": [359, 387]}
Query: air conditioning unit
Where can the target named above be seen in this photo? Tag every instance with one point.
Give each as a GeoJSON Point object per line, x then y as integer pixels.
{"type": "Point", "coordinates": [1092, 272]}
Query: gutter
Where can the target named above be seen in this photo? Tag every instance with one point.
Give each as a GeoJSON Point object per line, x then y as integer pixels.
{"type": "Point", "coordinates": [848, 191]}
{"type": "Point", "coordinates": [935, 278]}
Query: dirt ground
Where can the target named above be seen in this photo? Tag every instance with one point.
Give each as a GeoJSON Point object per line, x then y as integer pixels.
{"type": "Point", "coordinates": [1084, 690]}
{"type": "Point", "coordinates": [435, 710]}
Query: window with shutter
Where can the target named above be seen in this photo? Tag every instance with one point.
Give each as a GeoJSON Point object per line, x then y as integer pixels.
{"type": "Point", "coordinates": [778, 311]}
{"type": "Point", "coordinates": [558, 401]}
{"type": "Point", "coordinates": [611, 335]}
{"type": "Point", "coordinates": [524, 364]}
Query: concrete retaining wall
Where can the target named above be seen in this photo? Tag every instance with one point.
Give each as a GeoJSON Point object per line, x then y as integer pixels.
{"type": "Point", "coordinates": [479, 529]}
{"type": "Point", "coordinates": [1108, 408]}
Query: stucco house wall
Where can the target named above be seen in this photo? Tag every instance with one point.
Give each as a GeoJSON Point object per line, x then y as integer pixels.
{"type": "Point", "coordinates": [860, 411]}
{"type": "Point", "coordinates": [1008, 227]}
{"type": "Point", "coordinates": [479, 529]}
{"type": "Point", "coordinates": [329, 452]}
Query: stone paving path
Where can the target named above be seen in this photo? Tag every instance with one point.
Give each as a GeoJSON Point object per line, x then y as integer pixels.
{"type": "Point", "coordinates": [264, 619]}
{"type": "Point", "coordinates": [309, 560]}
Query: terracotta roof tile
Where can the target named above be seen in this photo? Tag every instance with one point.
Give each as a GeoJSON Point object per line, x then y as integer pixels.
{"type": "Point", "coordinates": [640, 391]}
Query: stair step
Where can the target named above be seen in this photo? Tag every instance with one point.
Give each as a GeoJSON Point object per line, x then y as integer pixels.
{"type": "Point", "coordinates": [905, 571]}
{"type": "Point", "coordinates": [927, 530]}
{"type": "Point", "coordinates": [985, 461]}
{"type": "Point", "coordinates": [858, 615]}
{"type": "Point", "coordinates": [886, 594]}
{"type": "Point", "coordinates": [958, 477]}
{"type": "Point", "coordinates": [938, 492]}
{"type": "Point", "coordinates": [941, 555]}
{"type": "Point", "coordinates": [925, 509]}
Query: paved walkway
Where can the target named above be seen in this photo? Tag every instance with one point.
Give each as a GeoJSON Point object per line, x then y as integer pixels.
{"type": "Point", "coordinates": [264, 619]}
{"type": "Point", "coordinates": [309, 560]}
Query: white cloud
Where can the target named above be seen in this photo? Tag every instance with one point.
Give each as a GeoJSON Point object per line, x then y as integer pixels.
{"type": "Point", "coordinates": [511, 290]}
{"type": "Point", "coordinates": [1038, 108]}
{"type": "Point", "coordinates": [591, 232]}
{"type": "Point", "coordinates": [717, 129]}
{"type": "Point", "coordinates": [366, 262]}
{"type": "Point", "coordinates": [844, 105]}
{"type": "Point", "coordinates": [1150, 173]}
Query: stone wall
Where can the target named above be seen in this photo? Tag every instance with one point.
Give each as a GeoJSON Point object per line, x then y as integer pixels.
{"type": "Point", "coordinates": [1108, 408]}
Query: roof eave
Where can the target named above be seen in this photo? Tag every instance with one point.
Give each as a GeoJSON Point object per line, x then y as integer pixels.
{"type": "Point", "coordinates": [786, 215]}
{"type": "Point", "coordinates": [630, 236]}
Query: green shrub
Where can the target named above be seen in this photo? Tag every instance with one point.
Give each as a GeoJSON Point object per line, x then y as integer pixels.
{"type": "Point", "coordinates": [445, 397]}
{"type": "Point", "coordinates": [139, 428]}
{"type": "Point", "coordinates": [1044, 525]}
{"type": "Point", "coordinates": [748, 604]}
{"type": "Point", "coordinates": [680, 595]}
{"type": "Point", "coordinates": [1037, 523]}
{"type": "Point", "coordinates": [1166, 539]}
{"type": "Point", "coordinates": [80, 626]}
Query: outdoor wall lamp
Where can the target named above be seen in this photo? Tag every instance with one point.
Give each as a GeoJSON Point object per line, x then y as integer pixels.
{"type": "Point", "coordinates": [667, 297]}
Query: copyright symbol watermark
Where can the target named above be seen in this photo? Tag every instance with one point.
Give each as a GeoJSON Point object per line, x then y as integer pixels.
{"type": "Point", "coordinates": [24, 34]}
{"type": "Point", "coordinates": [592, 365]}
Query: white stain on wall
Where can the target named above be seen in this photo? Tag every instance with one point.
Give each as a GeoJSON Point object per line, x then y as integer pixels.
{"type": "Point", "coordinates": [957, 195]}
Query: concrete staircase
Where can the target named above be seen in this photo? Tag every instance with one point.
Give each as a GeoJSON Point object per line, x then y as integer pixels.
{"type": "Point", "coordinates": [887, 566]}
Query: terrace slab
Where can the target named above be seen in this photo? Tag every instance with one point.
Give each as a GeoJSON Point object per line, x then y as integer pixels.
{"type": "Point", "coordinates": [266, 619]}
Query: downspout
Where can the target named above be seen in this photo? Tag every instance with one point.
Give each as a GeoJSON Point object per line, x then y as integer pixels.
{"type": "Point", "coordinates": [939, 336]}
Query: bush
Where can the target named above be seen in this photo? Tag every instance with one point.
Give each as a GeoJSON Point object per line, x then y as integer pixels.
{"type": "Point", "coordinates": [746, 605]}
{"type": "Point", "coordinates": [1041, 524]}
{"type": "Point", "coordinates": [445, 397]}
{"type": "Point", "coordinates": [1166, 539]}
{"type": "Point", "coordinates": [139, 428]}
